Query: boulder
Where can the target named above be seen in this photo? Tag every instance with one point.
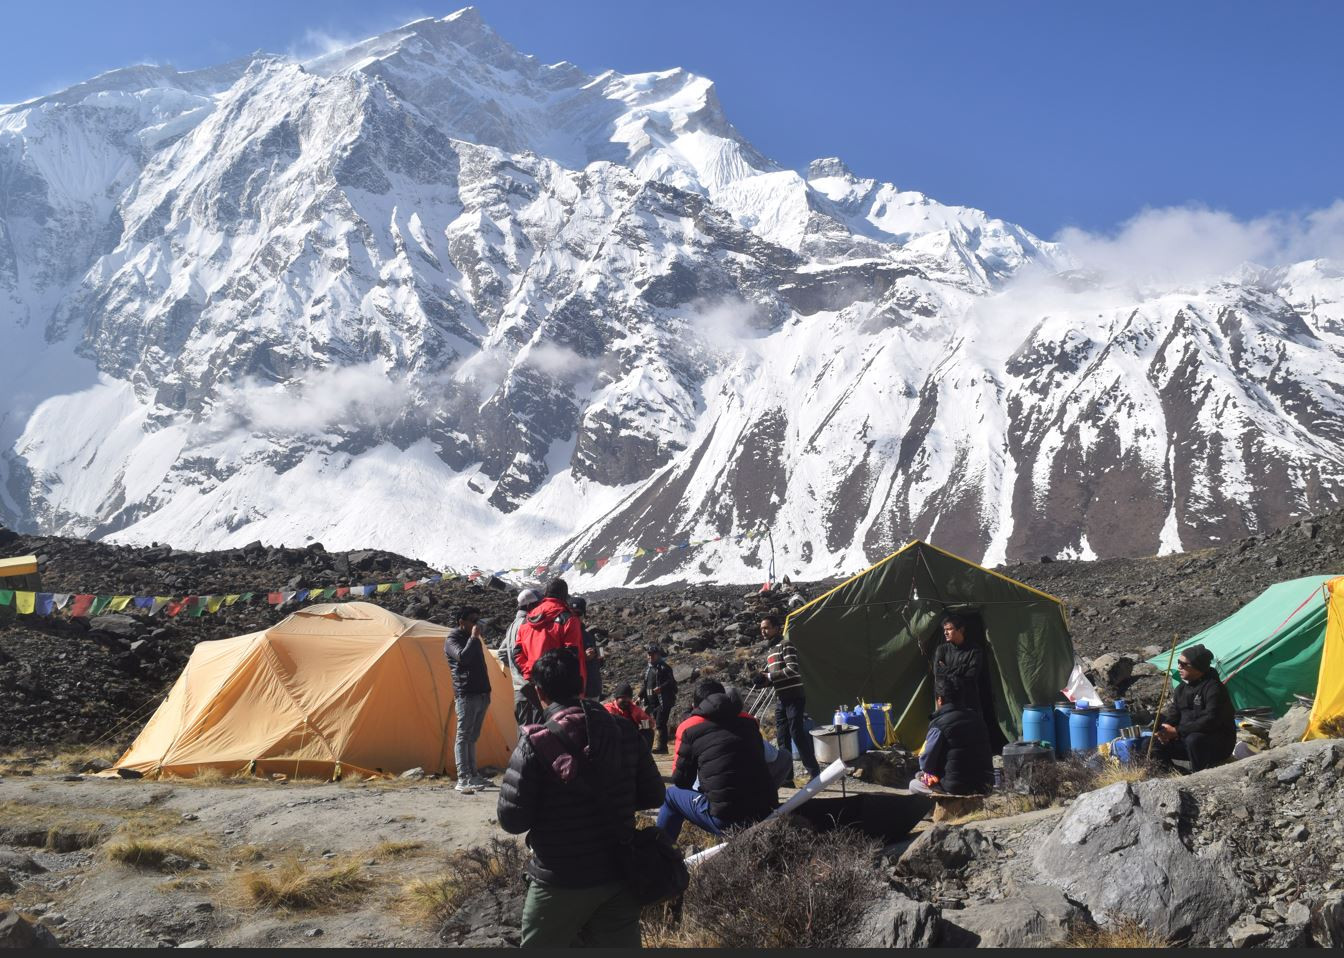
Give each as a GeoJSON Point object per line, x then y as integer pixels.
{"type": "Point", "coordinates": [1246, 933]}
{"type": "Point", "coordinates": [899, 922]}
{"type": "Point", "coordinates": [941, 851]}
{"type": "Point", "coordinates": [117, 623]}
{"type": "Point", "coordinates": [1327, 921]}
{"type": "Point", "coordinates": [1114, 670]}
{"type": "Point", "coordinates": [1033, 916]}
{"type": "Point", "coordinates": [18, 862]}
{"type": "Point", "coordinates": [1120, 852]}
{"type": "Point", "coordinates": [1290, 728]}
{"type": "Point", "coordinates": [18, 932]}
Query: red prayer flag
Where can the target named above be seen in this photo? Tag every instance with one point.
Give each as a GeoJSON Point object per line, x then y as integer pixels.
{"type": "Point", "coordinates": [602, 562]}
{"type": "Point", "coordinates": [175, 607]}
{"type": "Point", "coordinates": [342, 591]}
{"type": "Point", "coordinates": [275, 598]}
{"type": "Point", "coordinates": [410, 585]}
{"type": "Point", "coordinates": [81, 606]}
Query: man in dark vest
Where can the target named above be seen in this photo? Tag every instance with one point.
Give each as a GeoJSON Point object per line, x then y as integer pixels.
{"type": "Point", "coordinates": [956, 758]}
{"type": "Point", "coordinates": [1199, 721]}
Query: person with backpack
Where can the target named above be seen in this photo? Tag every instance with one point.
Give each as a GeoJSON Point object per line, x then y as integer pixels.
{"type": "Point", "coordinates": [659, 693]}
{"type": "Point", "coordinates": [551, 625]}
{"type": "Point", "coordinates": [525, 706]}
{"type": "Point", "coordinates": [464, 647]}
{"type": "Point", "coordinates": [720, 778]}
{"type": "Point", "coordinates": [573, 785]}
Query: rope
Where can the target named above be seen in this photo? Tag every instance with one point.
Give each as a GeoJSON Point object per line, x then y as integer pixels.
{"type": "Point", "coordinates": [1250, 655]}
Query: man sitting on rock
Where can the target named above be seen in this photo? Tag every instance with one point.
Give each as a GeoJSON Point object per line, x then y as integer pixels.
{"type": "Point", "coordinates": [1199, 721]}
{"type": "Point", "coordinates": [956, 758]}
{"type": "Point", "coordinates": [623, 704]}
{"type": "Point", "coordinates": [720, 778]}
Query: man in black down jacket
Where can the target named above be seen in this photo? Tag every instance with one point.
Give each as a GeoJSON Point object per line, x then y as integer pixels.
{"type": "Point", "coordinates": [464, 647]}
{"type": "Point", "coordinates": [726, 755]}
{"type": "Point", "coordinates": [1199, 721]}
{"type": "Point", "coordinates": [964, 657]}
{"type": "Point", "coordinates": [956, 757]}
{"type": "Point", "coordinates": [575, 812]}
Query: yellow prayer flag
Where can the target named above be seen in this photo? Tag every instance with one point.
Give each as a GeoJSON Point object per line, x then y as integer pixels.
{"type": "Point", "coordinates": [118, 603]}
{"type": "Point", "coordinates": [25, 601]}
{"type": "Point", "coordinates": [231, 599]}
{"type": "Point", "coordinates": [212, 603]}
{"type": "Point", "coordinates": [384, 586]}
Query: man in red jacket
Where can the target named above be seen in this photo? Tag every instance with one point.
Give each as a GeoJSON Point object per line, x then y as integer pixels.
{"type": "Point", "coordinates": [551, 625]}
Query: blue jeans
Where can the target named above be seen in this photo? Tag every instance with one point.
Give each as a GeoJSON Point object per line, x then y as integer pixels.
{"type": "Point", "coordinates": [686, 805]}
{"type": "Point", "coordinates": [471, 711]}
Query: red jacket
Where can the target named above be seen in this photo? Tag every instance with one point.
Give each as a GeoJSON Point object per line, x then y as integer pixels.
{"type": "Point", "coordinates": [636, 714]}
{"type": "Point", "coordinates": [551, 625]}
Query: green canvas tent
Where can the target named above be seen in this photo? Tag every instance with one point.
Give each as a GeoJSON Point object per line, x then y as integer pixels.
{"type": "Point", "coordinates": [871, 639]}
{"type": "Point", "coordinates": [1270, 648]}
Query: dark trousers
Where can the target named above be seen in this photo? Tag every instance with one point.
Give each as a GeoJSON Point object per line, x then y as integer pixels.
{"type": "Point", "coordinates": [661, 710]}
{"type": "Point", "coordinates": [526, 706]}
{"type": "Point", "coordinates": [1198, 748]}
{"type": "Point", "coordinates": [790, 729]}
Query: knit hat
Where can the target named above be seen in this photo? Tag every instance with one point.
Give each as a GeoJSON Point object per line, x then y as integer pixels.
{"type": "Point", "coordinates": [528, 598]}
{"type": "Point", "coordinates": [624, 691]}
{"type": "Point", "coordinates": [1198, 656]}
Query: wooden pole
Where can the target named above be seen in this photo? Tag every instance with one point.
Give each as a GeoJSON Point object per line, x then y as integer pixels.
{"type": "Point", "coordinates": [1162, 699]}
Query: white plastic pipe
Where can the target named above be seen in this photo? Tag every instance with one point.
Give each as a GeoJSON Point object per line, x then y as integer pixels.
{"type": "Point", "coordinates": [829, 774]}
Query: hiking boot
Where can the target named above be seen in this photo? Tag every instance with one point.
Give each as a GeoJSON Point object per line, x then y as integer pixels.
{"type": "Point", "coordinates": [465, 787]}
{"type": "Point", "coordinates": [480, 781]}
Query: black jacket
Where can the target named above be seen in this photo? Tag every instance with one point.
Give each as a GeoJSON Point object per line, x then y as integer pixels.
{"type": "Point", "coordinates": [1202, 707]}
{"type": "Point", "coordinates": [572, 831]}
{"type": "Point", "coordinates": [966, 662]}
{"type": "Point", "coordinates": [466, 658]}
{"type": "Point", "coordinates": [961, 756]}
{"type": "Point", "coordinates": [727, 755]}
{"type": "Point", "coordinates": [657, 675]}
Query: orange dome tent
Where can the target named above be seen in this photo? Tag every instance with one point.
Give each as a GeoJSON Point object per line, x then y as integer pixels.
{"type": "Point", "coordinates": [333, 689]}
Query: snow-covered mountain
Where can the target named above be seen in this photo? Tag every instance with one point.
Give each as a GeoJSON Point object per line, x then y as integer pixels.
{"type": "Point", "coordinates": [428, 294]}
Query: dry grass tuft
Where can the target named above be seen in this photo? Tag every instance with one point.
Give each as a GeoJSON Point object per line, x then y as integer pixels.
{"type": "Point", "coordinates": [248, 854]}
{"type": "Point", "coordinates": [780, 884]}
{"type": "Point", "coordinates": [1333, 727]}
{"type": "Point", "coordinates": [1122, 934]}
{"type": "Point", "coordinates": [494, 866]}
{"type": "Point", "coordinates": [298, 886]}
{"type": "Point", "coordinates": [394, 849]}
{"type": "Point", "coordinates": [998, 805]}
{"type": "Point", "coordinates": [1114, 772]}
{"type": "Point", "coordinates": [140, 851]}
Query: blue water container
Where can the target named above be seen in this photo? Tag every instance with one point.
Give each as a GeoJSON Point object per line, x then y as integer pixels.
{"type": "Point", "coordinates": [1083, 729]}
{"type": "Point", "coordinates": [1038, 724]}
{"type": "Point", "coordinates": [1062, 712]}
{"type": "Point", "coordinates": [1110, 722]}
{"type": "Point", "coordinates": [1128, 750]}
{"type": "Point", "coordinates": [877, 717]}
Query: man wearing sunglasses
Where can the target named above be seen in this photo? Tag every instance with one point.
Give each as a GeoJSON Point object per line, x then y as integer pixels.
{"type": "Point", "coordinates": [1199, 722]}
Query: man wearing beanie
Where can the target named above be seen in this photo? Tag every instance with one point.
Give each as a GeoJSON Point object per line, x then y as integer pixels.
{"type": "Point", "coordinates": [1199, 722]}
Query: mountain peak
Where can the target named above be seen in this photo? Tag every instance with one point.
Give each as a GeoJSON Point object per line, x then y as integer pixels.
{"type": "Point", "coordinates": [828, 166]}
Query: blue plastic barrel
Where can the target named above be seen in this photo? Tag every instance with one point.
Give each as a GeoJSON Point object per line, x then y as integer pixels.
{"type": "Point", "coordinates": [1062, 712]}
{"type": "Point", "coordinates": [1083, 729]}
{"type": "Point", "coordinates": [877, 716]}
{"type": "Point", "coordinates": [1110, 722]}
{"type": "Point", "coordinates": [1038, 724]}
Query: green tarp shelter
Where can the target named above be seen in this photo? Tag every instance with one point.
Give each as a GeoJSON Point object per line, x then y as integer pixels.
{"type": "Point", "coordinates": [1270, 648]}
{"type": "Point", "coordinates": [871, 639]}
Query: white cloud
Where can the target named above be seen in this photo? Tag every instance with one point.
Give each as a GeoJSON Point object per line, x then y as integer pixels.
{"type": "Point", "coordinates": [323, 399]}
{"type": "Point", "coordinates": [1179, 246]}
{"type": "Point", "coordinates": [556, 360]}
{"type": "Point", "coordinates": [727, 325]}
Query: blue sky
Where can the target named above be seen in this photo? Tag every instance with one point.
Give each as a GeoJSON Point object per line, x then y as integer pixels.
{"type": "Point", "coordinates": [1048, 114]}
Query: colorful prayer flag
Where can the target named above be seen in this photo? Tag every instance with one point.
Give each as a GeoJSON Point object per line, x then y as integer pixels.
{"type": "Point", "coordinates": [143, 602]}
{"type": "Point", "coordinates": [275, 598]}
{"type": "Point", "coordinates": [159, 602]}
{"type": "Point", "coordinates": [43, 603]}
{"type": "Point", "coordinates": [231, 599]}
{"type": "Point", "coordinates": [384, 587]}
{"type": "Point", "coordinates": [213, 603]}
{"type": "Point", "coordinates": [300, 595]}
{"type": "Point", "coordinates": [99, 604]}
{"type": "Point", "coordinates": [81, 605]}
{"type": "Point", "coordinates": [603, 561]}
{"type": "Point", "coordinates": [6, 596]}
{"type": "Point", "coordinates": [119, 603]}
{"type": "Point", "coordinates": [24, 602]}
{"type": "Point", "coordinates": [342, 591]}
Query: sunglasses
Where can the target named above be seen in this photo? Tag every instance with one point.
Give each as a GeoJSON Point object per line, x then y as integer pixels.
{"type": "Point", "coordinates": [1182, 664]}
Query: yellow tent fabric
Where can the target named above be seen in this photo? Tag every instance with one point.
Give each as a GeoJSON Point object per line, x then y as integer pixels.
{"type": "Point", "coordinates": [350, 684]}
{"type": "Point", "coordinates": [1328, 708]}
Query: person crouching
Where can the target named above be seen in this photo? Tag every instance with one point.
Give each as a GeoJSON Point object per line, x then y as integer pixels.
{"type": "Point", "coordinates": [956, 758]}
{"type": "Point", "coordinates": [724, 757]}
{"type": "Point", "coordinates": [623, 704]}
